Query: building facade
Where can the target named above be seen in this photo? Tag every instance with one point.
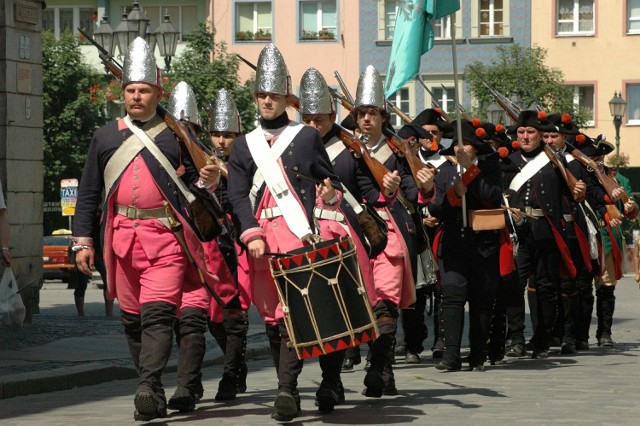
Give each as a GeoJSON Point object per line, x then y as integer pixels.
{"type": "Point", "coordinates": [595, 44]}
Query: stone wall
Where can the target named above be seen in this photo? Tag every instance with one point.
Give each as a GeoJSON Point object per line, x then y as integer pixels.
{"type": "Point", "coordinates": [21, 139]}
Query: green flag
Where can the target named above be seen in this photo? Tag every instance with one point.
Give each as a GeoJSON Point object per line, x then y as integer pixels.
{"type": "Point", "coordinates": [413, 37]}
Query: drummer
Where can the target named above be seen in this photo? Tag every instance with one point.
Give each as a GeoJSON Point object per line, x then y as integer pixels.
{"type": "Point", "coordinates": [316, 107]}
{"type": "Point", "coordinates": [274, 208]}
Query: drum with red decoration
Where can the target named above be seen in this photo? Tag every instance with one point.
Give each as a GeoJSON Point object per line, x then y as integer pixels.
{"type": "Point", "coordinates": [323, 298]}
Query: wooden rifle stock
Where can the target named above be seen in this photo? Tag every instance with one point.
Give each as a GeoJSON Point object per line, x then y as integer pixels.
{"type": "Point", "coordinates": [408, 148]}
{"type": "Point", "coordinates": [377, 169]}
{"type": "Point", "coordinates": [568, 177]}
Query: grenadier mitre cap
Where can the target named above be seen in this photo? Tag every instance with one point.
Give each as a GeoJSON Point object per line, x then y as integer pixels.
{"type": "Point", "coordinates": [183, 104]}
{"type": "Point", "coordinates": [272, 75]}
{"type": "Point", "coordinates": [225, 116]}
{"type": "Point", "coordinates": [140, 64]}
{"type": "Point", "coordinates": [370, 91]}
{"type": "Point", "coordinates": [314, 94]}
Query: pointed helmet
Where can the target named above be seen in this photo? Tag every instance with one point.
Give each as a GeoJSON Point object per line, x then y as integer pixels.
{"type": "Point", "coordinates": [370, 91]}
{"type": "Point", "coordinates": [272, 75]}
{"type": "Point", "coordinates": [183, 104]}
{"type": "Point", "coordinates": [314, 94]}
{"type": "Point", "coordinates": [225, 116]}
{"type": "Point", "coordinates": [140, 64]}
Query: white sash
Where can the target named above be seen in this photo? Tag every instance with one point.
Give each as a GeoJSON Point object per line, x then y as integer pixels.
{"type": "Point", "coordinates": [530, 169]}
{"type": "Point", "coordinates": [266, 159]}
{"type": "Point", "coordinates": [568, 157]}
{"type": "Point", "coordinates": [334, 148]}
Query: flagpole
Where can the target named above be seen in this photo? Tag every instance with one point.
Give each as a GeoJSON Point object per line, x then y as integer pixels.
{"type": "Point", "coordinates": [457, 105]}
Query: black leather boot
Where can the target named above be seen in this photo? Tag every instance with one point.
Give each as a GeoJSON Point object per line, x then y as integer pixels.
{"type": "Point", "coordinates": [275, 340]}
{"type": "Point", "coordinates": [570, 310]}
{"type": "Point", "coordinates": [606, 303]}
{"type": "Point", "coordinates": [192, 326]}
{"type": "Point", "coordinates": [453, 301]}
{"type": "Point", "coordinates": [157, 339]}
{"type": "Point", "coordinates": [374, 380]}
{"type": "Point", "coordinates": [328, 395]}
{"type": "Point", "coordinates": [287, 404]}
{"type": "Point", "coordinates": [234, 378]}
{"type": "Point", "coordinates": [133, 331]}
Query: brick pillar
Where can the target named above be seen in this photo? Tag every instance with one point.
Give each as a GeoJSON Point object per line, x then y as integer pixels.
{"type": "Point", "coordinates": [21, 140]}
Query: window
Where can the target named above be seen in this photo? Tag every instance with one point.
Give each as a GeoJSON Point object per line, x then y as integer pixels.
{"type": "Point", "coordinates": [445, 98]}
{"type": "Point", "coordinates": [390, 8]}
{"type": "Point", "coordinates": [633, 16]}
{"type": "Point", "coordinates": [183, 18]}
{"type": "Point", "coordinates": [254, 21]}
{"type": "Point", "coordinates": [575, 17]}
{"type": "Point", "coordinates": [68, 19]}
{"type": "Point", "coordinates": [583, 97]}
{"type": "Point", "coordinates": [442, 28]}
{"type": "Point", "coordinates": [402, 102]}
{"type": "Point", "coordinates": [318, 20]}
{"type": "Point", "coordinates": [633, 104]}
{"type": "Point", "coordinates": [491, 18]}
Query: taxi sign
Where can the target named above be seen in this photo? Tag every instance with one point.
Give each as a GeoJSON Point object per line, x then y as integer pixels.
{"type": "Point", "coordinates": [68, 196]}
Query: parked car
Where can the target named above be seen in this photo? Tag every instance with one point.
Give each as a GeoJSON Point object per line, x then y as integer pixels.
{"type": "Point", "coordinates": [59, 260]}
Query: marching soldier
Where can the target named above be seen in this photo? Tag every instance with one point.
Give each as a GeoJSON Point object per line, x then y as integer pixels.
{"type": "Point", "coordinates": [149, 243]}
{"type": "Point", "coordinates": [467, 259]}
{"type": "Point", "coordinates": [539, 188]}
{"type": "Point", "coordinates": [394, 269]}
{"type": "Point", "coordinates": [229, 326]}
{"type": "Point", "coordinates": [274, 208]}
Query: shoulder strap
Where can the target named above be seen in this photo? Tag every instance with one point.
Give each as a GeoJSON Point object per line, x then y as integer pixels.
{"type": "Point", "coordinates": [527, 172]}
{"type": "Point", "coordinates": [164, 162]}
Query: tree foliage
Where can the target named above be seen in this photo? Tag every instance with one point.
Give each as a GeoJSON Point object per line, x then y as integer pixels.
{"type": "Point", "coordinates": [70, 118]}
{"type": "Point", "coordinates": [523, 71]}
{"type": "Point", "coordinates": [208, 75]}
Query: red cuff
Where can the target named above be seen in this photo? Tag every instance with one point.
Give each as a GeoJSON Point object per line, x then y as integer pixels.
{"type": "Point", "coordinates": [383, 199]}
{"type": "Point", "coordinates": [607, 199]}
{"type": "Point", "coordinates": [633, 213]}
{"type": "Point", "coordinates": [425, 197]}
{"type": "Point", "coordinates": [452, 197]}
{"type": "Point", "coordinates": [470, 174]}
{"type": "Point", "coordinates": [607, 218]}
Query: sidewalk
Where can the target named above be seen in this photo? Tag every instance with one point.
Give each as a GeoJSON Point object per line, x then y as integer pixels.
{"type": "Point", "coordinates": [60, 350]}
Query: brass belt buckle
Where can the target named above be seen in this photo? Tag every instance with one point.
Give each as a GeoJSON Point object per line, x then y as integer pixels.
{"type": "Point", "coordinates": [131, 212]}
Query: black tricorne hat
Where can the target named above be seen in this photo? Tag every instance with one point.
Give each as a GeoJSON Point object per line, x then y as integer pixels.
{"type": "Point", "coordinates": [349, 123]}
{"type": "Point", "coordinates": [593, 148]}
{"type": "Point", "coordinates": [535, 119]}
{"type": "Point", "coordinates": [470, 134]}
{"type": "Point", "coordinates": [563, 124]}
{"type": "Point", "coordinates": [496, 132]}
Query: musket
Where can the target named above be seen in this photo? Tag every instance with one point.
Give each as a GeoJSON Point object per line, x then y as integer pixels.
{"type": "Point", "coordinates": [344, 87]}
{"type": "Point", "coordinates": [434, 103]}
{"type": "Point", "coordinates": [460, 107]}
{"type": "Point", "coordinates": [200, 154]}
{"type": "Point", "coordinates": [505, 104]}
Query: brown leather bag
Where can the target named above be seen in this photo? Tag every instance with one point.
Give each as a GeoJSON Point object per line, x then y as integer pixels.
{"type": "Point", "coordinates": [487, 219]}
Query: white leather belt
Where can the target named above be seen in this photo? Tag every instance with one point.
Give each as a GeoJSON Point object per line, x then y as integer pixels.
{"type": "Point", "coordinates": [568, 218]}
{"type": "Point", "coordinates": [534, 212]}
{"type": "Point", "coordinates": [328, 214]}
{"type": "Point", "coordinates": [270, 213]}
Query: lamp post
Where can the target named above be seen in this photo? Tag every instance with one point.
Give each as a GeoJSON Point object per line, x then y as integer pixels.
{"type": "Point", "coordinates": [618, 107]}
{"type": "Point", "coordinates": [133, 25]}
{"type": "Point", "coordinates": [104, 35]}
{"type": "Point", "coordinates": [167, 39]}
{"type": "Point", "coordinates": [495, 113]}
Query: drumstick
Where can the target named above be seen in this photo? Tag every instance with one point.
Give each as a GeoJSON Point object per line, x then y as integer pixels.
{"type": "Point", "coordinates": [266, 253]}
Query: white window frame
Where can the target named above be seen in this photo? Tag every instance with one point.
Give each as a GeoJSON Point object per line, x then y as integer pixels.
{"type": "Point", "coordinates": [575, 20]}
{"type": "Point", "coordinates": [319, 17]}
{"type": "Point", "coordinates": [398, 101]}
{"type": "Point", "coordinates": [442, 28]}
{"type": "Point", "coordinates": [475, 20]}
{"type": "Point", "coordinates": [256, 28]}
{"type": "Point", "coordinates": [577, 104]}
{"type": "Point", "coordinates": [175, 21]}
{"type": "Point", "coordinates": [492, 21]}
{"type": "Point", "coordinates": [76, 18]}
{"type": "Point", "coordinates": [629, 120]}
{"type": "Point", "coordinates": [444, 100]}
{"type": "Point", "coordinates": [631, 19]}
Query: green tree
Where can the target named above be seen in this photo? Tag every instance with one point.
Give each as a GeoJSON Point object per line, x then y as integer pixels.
{"type": "Point", "coordinates": [208, 67]}
{"type": "Point", "coordinates": [522, 70]}
{"type": "Point", "coordinates": [69, 117]}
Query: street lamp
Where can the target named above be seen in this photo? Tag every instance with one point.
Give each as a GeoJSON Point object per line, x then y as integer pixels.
{"type": "Point", "coordinates": [133, 25]}
{"type": "Point", "coordinates": [618, 107]}
{"type": "Point", "coordinates": [517, 101]}
{"type": "Point", "coordinates": [104, 35]}
{"type": "Point", "coordinates": [167, 39]}
{"type": "Point", "coordinates": [495, 113]}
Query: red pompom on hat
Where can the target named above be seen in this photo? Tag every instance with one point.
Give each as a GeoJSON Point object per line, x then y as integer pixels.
{"type": "Point", "coordinates": [515, 145]}
{"type": "Point", "coordinates": [476, 122]}
{"type": "Point", "coordinates": [503, 152]}
{"type": "Point", "coordinates": [500, 128]}
{"type": "Point", "coordinates": [580, 139]}
{"type": "Point", "coordinates": [566, 118]}
{"type": "Point", "coordinates": [542, 115]}
{"type": "Point", "coordinates": [481, 133]}
{"type": "Point", "coordinates": [434, 146]}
